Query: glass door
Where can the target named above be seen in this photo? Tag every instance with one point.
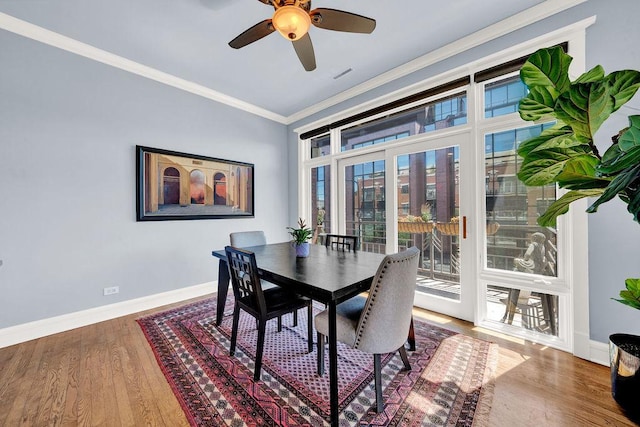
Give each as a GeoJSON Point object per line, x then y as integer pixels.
{"type": "Point", "coordinates": [432, 215]}
{"type": "Point", "coordinates": [363, 200]}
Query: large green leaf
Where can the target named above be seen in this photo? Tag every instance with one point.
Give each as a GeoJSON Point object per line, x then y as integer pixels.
{"type": "Point", "coordinates": [580, 173]}
{"type": "Point", "coordinates": [537, 105]}
{"type": "Point", "coordinates": [624, 160]}
{"type": "Point", "coordinates": [540, 172]}
{"type": "Point", "coordinates": [593, 75]}
{"type": "Point", "coordinates": [633, 202]}
{"type": "Point", "coordinates": [630, 137]}
{"type": "Point", "coordinates": [544, 166]}
{"type": "Point", "coordinates": [585, 107]}
{"type": "Point", "coordinates": [561, 206]}
{"type": "Point", "coordinates": [623, 86]}
{"type": "Point", "coordinates": [616, 186]}
{"type": "Point", "coordinates": [548, 68]}
{"type": "Point", "coordinates": [611, 155]}
{"type": "Point", "coordinates": [546, 73]}
{"type": "Point", "coordinates": [553, 137]}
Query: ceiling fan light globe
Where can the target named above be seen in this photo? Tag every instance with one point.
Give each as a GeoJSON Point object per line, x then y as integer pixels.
{"type": "Point", "coordinates": [291, 21]}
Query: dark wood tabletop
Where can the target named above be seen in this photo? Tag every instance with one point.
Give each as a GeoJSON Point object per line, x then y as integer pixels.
{"type": "Point", "coordinates": [325, 275]}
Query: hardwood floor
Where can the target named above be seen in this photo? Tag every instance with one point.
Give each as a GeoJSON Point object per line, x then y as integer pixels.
{"type": "Point", "coordinates": [106, 375]}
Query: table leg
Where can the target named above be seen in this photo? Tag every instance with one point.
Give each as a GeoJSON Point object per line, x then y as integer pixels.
{"type": "Point", "coordinates": [223, 288]}
{"type": "Point", "coordinates": [333, 365]}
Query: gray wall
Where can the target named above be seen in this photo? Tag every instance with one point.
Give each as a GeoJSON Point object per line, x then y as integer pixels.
{"type": "Point", "coordinates": [68, 131]}
{"type": "Point", "coordinates": [614, 239]}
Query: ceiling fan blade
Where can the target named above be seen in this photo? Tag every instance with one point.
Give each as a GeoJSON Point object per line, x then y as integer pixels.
{"type": "Point", "coordinates": [339, 20]}
{"type": "Point", "coordinates": [258, 31]}
{"type": "Point", "coordinates": [304, 49]}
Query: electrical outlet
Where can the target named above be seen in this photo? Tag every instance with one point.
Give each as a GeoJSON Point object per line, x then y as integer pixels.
{"type": "Point", "coordinates": [112, 290]}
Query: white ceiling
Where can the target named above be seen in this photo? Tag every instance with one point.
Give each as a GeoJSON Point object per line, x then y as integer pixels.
{"type": "Point", "coordinates": [188, 39]}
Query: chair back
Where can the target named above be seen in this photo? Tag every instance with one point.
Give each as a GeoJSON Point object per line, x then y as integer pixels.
{"type": "Point", "coordinates": [245, 280]}
{"type": "Point", "coordinates": [245, 239]}
{"type": "Point", "coordinates": [342, 242]}
{"type": "Point", "coordinates": [384, 322]}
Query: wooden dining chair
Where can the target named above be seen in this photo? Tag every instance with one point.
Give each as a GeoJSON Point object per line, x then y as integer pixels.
{"type": "Point", "coordinates": [381, 325]}
{"type": "Point", "coordinates": [246, 239]}
{"type": "Point", "coordinates": [263, 305]}
{"type": "Point", "coordinates": [339, 241]}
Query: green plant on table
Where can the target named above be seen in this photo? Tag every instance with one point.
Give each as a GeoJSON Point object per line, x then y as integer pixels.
{"type": "Point", "coordinates": [566, 153]}
{"type": "Point", "coordinates": [301, 234]}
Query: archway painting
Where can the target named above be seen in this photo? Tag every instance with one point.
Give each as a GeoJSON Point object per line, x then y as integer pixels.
{"type": "Point", "coordinates": [174, 185]}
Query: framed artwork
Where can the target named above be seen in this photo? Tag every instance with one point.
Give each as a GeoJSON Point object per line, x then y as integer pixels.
{"type": "Point", "coordinates": [177, 186]}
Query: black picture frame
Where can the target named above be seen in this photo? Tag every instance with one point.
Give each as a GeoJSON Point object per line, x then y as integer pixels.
{"type": "Point", "coordinates": [179, 186]}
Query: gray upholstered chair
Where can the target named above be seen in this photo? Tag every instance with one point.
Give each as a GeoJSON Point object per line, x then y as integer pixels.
{"type": "Point", "coordinates": [245, 239]}
{"type": "Point", "coordinates": [382, 324]}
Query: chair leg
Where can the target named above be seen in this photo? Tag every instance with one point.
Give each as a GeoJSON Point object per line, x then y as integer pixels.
{"type": "Point", "coordinates": [279, 323]}
{"type": "Point", "coordinates": [259, 349]}
{"type": "Point", "coordinates": [320, 354]}
{"type": "Point", "coordinates": [405, 359]}
{"type": "Point", "coordinates": [412, 336]}
{"type": "Point", "coordinates": [295, 318]}
{"type": "Point", "coordinates": [310, 327]}
{"type": "Point", "coordinates": [234, 330]}
{"type": "Point", "coordinates": [377, 373]}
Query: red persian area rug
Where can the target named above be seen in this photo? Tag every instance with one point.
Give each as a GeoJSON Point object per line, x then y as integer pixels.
{"type": "Point", "coordinates": [450, 383]}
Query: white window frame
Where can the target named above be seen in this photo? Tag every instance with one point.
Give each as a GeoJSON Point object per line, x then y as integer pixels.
{"type": "Point", "coordinates": [574, 239]}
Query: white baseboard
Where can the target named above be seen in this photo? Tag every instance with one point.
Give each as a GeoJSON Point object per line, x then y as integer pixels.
{"type": "Point", "coordinates": [599, 353]}
{"type": "Point", "coordinates": [40, 328]}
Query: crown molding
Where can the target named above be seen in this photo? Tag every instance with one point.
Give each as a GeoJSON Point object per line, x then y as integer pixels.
{"type": "Point", "coordinates": [499, 29]}
{"type": "Point", "coordinates": [51, 38]}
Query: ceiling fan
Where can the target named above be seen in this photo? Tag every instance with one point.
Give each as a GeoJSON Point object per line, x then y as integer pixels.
{"type": "Point", "coordinates": [292, 19]}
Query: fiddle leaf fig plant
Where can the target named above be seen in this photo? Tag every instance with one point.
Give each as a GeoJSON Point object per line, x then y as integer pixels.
{"type": "Point", "coordinates": [566, 154]}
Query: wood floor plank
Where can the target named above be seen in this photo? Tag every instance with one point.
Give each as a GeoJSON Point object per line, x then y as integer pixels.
{"type": "Point", "coordinates": [106, 374]}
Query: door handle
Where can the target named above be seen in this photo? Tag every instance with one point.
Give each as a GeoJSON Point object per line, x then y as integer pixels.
{"type": "Point", "coordinates": [464, 227]}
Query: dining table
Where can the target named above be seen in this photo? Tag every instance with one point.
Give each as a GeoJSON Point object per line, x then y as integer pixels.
{"type": "Point", "coordinates": [327, 275]}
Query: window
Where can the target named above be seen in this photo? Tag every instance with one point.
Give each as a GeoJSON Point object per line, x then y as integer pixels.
{"type": "Point", "coordinates": [502, 97]}
{"type": "Point", "coordinates": [516, 208]}
{"type": "Point", "coordinates": [440, 114]}
{"type": "Point", "coordinates": [320, 146]}
{"type": "Point", "coordinates": [320, 198]}
{"type": "Point", "coordinates": [446, 113]}
{"type": "Point", "coordinates": [412, 136]}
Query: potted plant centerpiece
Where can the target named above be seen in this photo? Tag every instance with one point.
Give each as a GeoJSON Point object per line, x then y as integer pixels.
{"type": "Point", "coordinates": [301, 236]}
{"type": "Point", "coordinates": [566, 154]}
